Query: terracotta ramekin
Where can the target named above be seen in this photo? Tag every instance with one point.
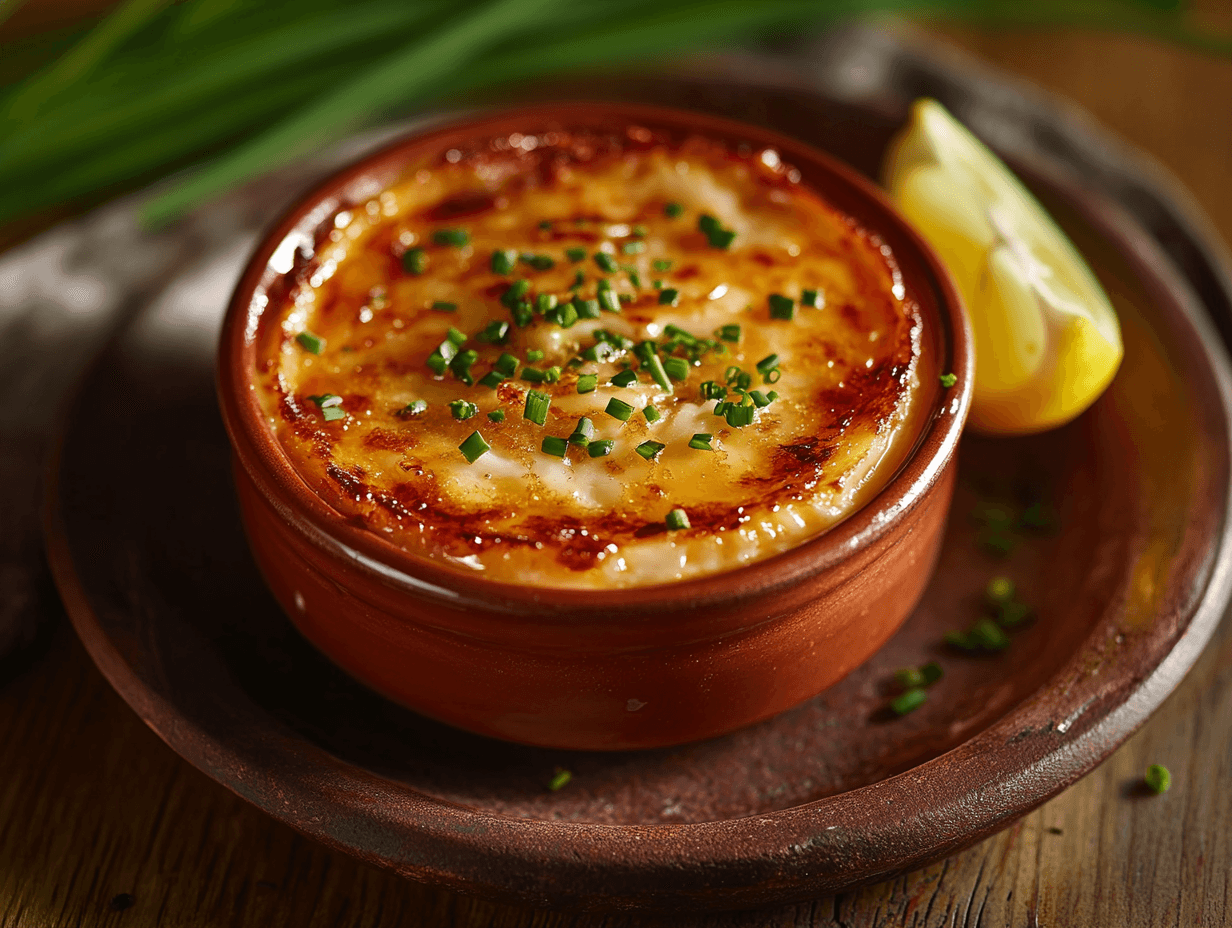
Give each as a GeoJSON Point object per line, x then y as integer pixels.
{"type": "Point", "coordinates": [583, 669]}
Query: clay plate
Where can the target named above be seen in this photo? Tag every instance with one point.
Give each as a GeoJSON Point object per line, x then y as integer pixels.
{"type": "Point", "coordinates": [149, 555]}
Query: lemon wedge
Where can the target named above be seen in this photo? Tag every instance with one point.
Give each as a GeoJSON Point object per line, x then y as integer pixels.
{"type": "Point", "coordinates": [1047, 340]}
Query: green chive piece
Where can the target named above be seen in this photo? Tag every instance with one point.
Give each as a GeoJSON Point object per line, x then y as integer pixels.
{"type": "Point", "coordinates": [639, 231]}
{"type": "Point", "coordinates": [603, 284]}
{"type": "Point", "coordinates": [461, 409]}
{"type": "Point", "coordinates": [455, 238]}
{"type": "Point", "coordinates": [652, 414]}
{"type": "Point", "coordinates": [760, 400]}
{"type": "Point", "coordinates": [533, 355]}
{"type": "Point", "coordinates": [720, 408]}
{"type": "Point", "coordinates": [413, 408]}
{"type": "Point", "coordinates": [457, 336]}
{"type": "Point", "coordinates": [443, 306]}
{"type": "Point", "coordinates": [575, 254]}
{"type": "Point", "coordinates": [722, 239]}
{"type": "Point", "coordinates": [673, 210]}
{"type": "Point", "coordinates": [676, 520]}
{"type": "Point", "coordinates": [606, 262]}
{"type": "Point", "coordinates": [545, 302]}
{"type": "Point", "coordinates": [495, 332]}
{"type": "Point", "coordinates": [534, 375]}
{"type": "Point", "coordinates": [669, 297]}
{"type": "Point", "coordinates": [586, 309]}
{"type": "Point", "coordinates": [497, 415]}
{"type": "Point", "coordinates": [618, 409]}
{"type": "Point", "coordinates": [772, 395]}
{"type": "Point", "coordinates": [474, 447]}
{"type": "Point", "coordinates": [677, 368]}
{"type": "Point", "coordinates": [767, 364]}
{"type": "Point", "coordinates": [999, 590]}
{"type": "Point", "coordinates": [634, 277]}
{"type": "Point", "coordinates": [711, 390]}
{"type": "Point", "coordinates": [560, 779]}
{"type": "Point", "coordinates": [661, 264]}
{"type": "Point", "coordinates": [587, 383]}
{"type": "Point", "coordinates": [461, 366]}
{"type": "Point", "coordinates": [552, 374]}
{"type": "Point", "coordinates": [554, 446]}
{"type": "Point", "coordinates": [961, 640]}
{"type": "Point", "coordinates": [908, 701]}
{"type": "Point", "coordinates": [781, 307]}
{"type": "Point", "coordinates": [948, 380]}
{"type": "Point", "coordinates": [566, 316]}
{"type": "Point", "coordinates": [716, 235]}
{"type": "Point", "coordinates": [545, 225]}
{"type": "Point", "coordinates": [1158, 778]}
{"type": "Point", "coordinates": [931, 672]}
{"type": "Point", "coordinates": [1013, 613]}
{"type": "Point", "coordinates": [909, 678]}
{"type": "Point", "coordinates": [507, 364]}
{"type": "Point", "coordinates": [517, 290]}
{"type": "Point", "coordinates": [657, 284]}
{"type": "Point", "coordinates": [989, 636]}
{"type": "Point", "coordinates": [632, 248]}
{"type": "Point", "coordinates": [414, 261]}
{"type": "Point", "coordinates": [650, 449]}
{"type": "Point", "coordinates": [600, 449]}
{"type": "Point", "coordinates": [538, 262]}
{"type": "Point", "coordinates": [658, 372]}
{"type": "Point", "coordinates": [437, 361]}
{"type": "Point", "coordinates": [609, 301]}
{"type": "Point", "coordinates": [738, 379]}
{"type": "Point", "coordinates": [623, 379]}
{"type": "Point", "coordinates": [310, 342]}
{"type": "Point", "coordinates": [811, 298]}
{"type": "Point", "coordinates": [578, 279]}
{"type": "Point", "coordinates": [730, 333]}
{"type": "Point", "coordinates": [739, 416]}
{"type": "Point", "coordinates": [503, 261]}
{"type": "Point", "coordinates": [537, 407]}
{"type": "Point", "coordinates": [583, 432]}
{"type": "Point", "coordinates": [333, 413]}
{"type": "Point", "coordinates": [701, 441]}
{"type": "Point", "coordinates": [523, 314]}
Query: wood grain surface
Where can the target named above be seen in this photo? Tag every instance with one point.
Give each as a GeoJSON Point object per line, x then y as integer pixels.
{"type": "Point", "coordinates": [102, 825]}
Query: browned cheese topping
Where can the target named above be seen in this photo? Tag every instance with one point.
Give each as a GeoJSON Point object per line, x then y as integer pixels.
{"type": "Point", "coordinates": [617, 278]}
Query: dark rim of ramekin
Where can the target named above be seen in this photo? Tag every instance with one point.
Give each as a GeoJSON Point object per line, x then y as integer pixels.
{"type": "Point", "coordinates": [265, 462]}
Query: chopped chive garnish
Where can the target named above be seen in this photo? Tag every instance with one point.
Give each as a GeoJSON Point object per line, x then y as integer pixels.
{"type": "Point", "coordinates": [652, 414]}
{"type": "Point", "coordinates": [534, 354]}
{"type": "Point", "coordinates": [554, 446]}
{"type": "Point", "coordinates": [497, 415]}
{"type": "Point", "coordinates": [575, 254]}
{"type": "Point", "coordinates": [538, 262]}
{"type": "Point", "coordinates": [810, 298]}
{"type": "Point", "coordinates": [456, 335]}
{"type": "Point", "coordinates": [730, 333]}
{"type": "Point", "coordinates": [650, 449]}
{"type": "Point", "coordinates": [517, 290]}
{"type": "Point", "coordinates": [413, 408]}
{"type": "Point", "coordinates": [583, 432]}
{"type": "Point", "coordinates": [552, 374]}
{"type": "Point", "coordinates": [634, 277]}
{"type": "Point", "coordinates": [600, 351]}
{"type": "Point", "coordinates": [701, 441]}
{"type": "Point", "coordinates": [739, 416]}
{"type": "Point", "coordinates": [720, 408]}
{"type": "Point", "coordinates": [624, 379]}
{"type": "Point", "coordinates": [632, 248]}
{"type": "Point", "coordinates": [988, 635]}
{"type": "Point", "coordinates": [586, 309]}
{"type": "Point", "coordinates": [507, 364]}
{"type": "Point", "coordinates": [503, 261]}
{"type": "Point", "coordinates": [772, 395]}
{"type": "Point", "coordinates": [492, 379]}
{"type": "Point", "coordinates": [669, 297]}
{"type": "Point", "coordinates": [909, 678]}
{"type": "Point", "coordinates": [461, 366]}
{"type": "Point", "coordinates": [931, 672]}
{"type": "Point", "coordinates": [677, 368]}
{"type": "Point", "coordinates": [444, 306]}
{"type": "Point", "coordinates": [600, 449]}
{"type": "Point", "coordinates": [461, 409]}
{"type": "Point", "coordinates": [522, 313]}
{"type": "Point", "coordinates": [533, 375]}
{"type": "Point", "coordinates": [414, 261]}
{"type": "Point", "coordinates": [781, 307]}
{"type": "Point", "coordinates": [495, 332]}
{"type": "Point", "coordinates": [578, 279]}
{"type": "Point", "coordinates": [716, 235]}
{"type": "Point", "coordinates": [332, 413]}
{"type": "Point", "coordinates": [618, 409]}
{"type": "Point", "coordinates": [545, 302]}
{"type": "Point", "coordinates": [658, 372]}
{"type": "Point", "coordinates": [676, 520]}
{"type": "Point", "coordinates": [564, 315]}
{"type": "Point", "coordinates": [673, 210]}
{"type": "Point", "coordinates": [1158, 779]}
{"type": "Point", "coordinates": [960, 639]}
{"type": "Point", "coordinates": [603, 285]}
{"type": "Point", "coordinates": [767, 364]}
{"type": "Point", "coordinates": [310, 342]}
{"type": "Point", "coordinates": [908, 701]}
{"type": "Point", "coordinates": [545, 225]}
{"type": "Point", "coordinates": [657, 284]}
{"type": "Point", "coordinates": [1012, 614]}
{"type": "Point", "coordinates": [537, 407]}
{"type": "Point", "coordinates": [639, 231]}
{"type": "Point", "coordinates": [455, 238]}
{"type": "Point", "coordinates": [437, 360]}
{"type": "Point", "coordinates": [587, 383]}
{"type": "Point", "coordinates": [474, 447]}
{"type": "Point", "coordinates": [1000, 590]}
{"type": "Point", "coordinates": [948, 380]}
{"type": "Point", "coordinates": [560, 779]}
{"type": "Point", "coordinates": [760, 400]}
{"type": "Point", "coordinates": [661, 264]}
{"type": "Point", "coordinates": [606, 262]}
{"type": "Point", "coordinates": [609, 301]}
{"type": "Point", "coordinates": [711, 390]}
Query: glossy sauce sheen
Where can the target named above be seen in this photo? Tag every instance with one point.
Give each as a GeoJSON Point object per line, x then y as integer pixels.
{"type": "Point", "coordinates": [848, 368]}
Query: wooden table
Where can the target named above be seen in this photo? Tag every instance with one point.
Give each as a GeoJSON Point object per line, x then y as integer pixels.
{"type": "Point", "coordinates": [101, 824]}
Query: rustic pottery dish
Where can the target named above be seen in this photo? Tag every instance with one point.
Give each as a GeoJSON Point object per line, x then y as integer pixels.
{"type": "Point", "coordinates": [160, 585]}
{"type": "Point", "coordinates": [600, 668]}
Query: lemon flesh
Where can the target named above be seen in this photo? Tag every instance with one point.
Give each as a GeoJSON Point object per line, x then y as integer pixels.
{"type": "Point", "coordinates": [1047, 341]}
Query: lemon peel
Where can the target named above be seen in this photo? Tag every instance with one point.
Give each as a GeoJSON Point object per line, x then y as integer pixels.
{"type": "Point", "coordinates": [1047, 340]}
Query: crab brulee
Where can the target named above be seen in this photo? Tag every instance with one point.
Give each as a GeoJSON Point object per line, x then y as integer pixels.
{"type": "Point", "coordinates": [595, 360]}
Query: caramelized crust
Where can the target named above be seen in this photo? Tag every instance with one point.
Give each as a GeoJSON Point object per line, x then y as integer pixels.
{"type": "Point", "coordinates": [847, 368]}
